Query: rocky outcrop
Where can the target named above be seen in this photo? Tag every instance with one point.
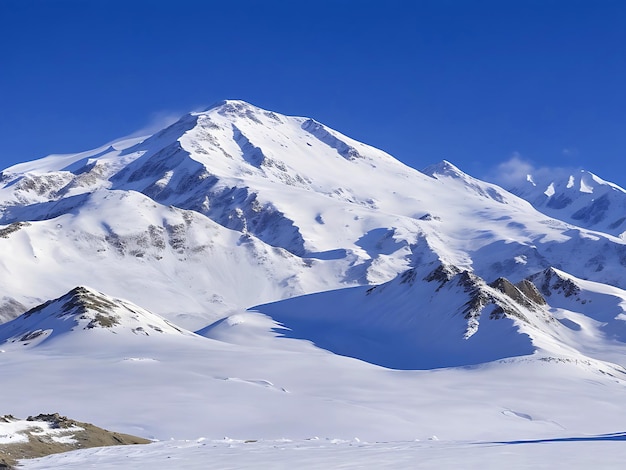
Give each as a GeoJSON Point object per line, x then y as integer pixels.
{"type": "Point", "coordinates": [45, 434]}
{"type": "Point", "coordinates": [550, 281]}
{"type": "Point", "coordinates": [499, 299]}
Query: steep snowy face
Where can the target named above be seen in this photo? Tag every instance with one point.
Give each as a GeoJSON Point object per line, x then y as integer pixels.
{"type": "Point", "coordinates": [78, 311]}
{"type": "Point", "coordinates": [289, 181]}
{"type": "Point", "coordinates": [581, 198]}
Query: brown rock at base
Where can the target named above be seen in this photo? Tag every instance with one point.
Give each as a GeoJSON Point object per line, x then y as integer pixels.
{"type": "Point", "coordinates": [42, 445]}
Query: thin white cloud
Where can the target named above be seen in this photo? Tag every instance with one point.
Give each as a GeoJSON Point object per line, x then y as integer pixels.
{"type": "Point", "coordinates": [516, 170]}
{"type": "Point", "coordinates": [511, 172]}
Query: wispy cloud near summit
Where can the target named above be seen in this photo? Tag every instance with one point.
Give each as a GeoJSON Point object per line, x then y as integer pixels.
{"type": "Point", "coordinates": [517, 169]}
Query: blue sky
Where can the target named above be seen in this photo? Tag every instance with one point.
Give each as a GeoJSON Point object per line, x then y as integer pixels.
{"type": "Point", "coordinates": [475, 82]}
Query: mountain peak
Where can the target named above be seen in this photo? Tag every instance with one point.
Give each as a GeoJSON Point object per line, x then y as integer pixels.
{"type": "Point", "coordinates": [551, 280]}
{"type": "Point", "coordinates": [81, 309]}
{"type": "Point", "coordinates": [443, 168]}
{"type": "Point", "coordinates": [234, 108]}
{"type": "Point", "coordinates": [577, 197]}
{"type": "Point", "coordinates": [229, 104]}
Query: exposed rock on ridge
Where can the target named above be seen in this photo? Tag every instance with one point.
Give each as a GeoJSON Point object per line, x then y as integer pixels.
{"type": "Point", "coordinates": [83, 309]}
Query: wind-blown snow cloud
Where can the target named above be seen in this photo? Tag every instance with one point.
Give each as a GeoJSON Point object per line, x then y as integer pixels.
{"type": "Point", "coordinates": [157, 121]}
{"type": "Point", "coordinates": [162, 119]}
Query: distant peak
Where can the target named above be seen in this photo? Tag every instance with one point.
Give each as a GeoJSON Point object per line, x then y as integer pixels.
{"type": "Point", "coordinates": [443, 168]}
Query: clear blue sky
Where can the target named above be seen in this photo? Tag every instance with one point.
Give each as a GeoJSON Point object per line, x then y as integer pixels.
{"type": "Point", "coordinates": [474, 82]}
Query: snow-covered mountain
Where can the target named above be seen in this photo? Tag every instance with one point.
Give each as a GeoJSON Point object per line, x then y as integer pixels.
{"type": "Point", "coordinates": [285, 245]}
{"type": "Point", "coordinates": [315, 209]}
{"type": "Point", "coordinates": [580, 198]}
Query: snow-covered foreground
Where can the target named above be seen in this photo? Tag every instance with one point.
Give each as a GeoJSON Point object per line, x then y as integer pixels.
{"type": "Point", "coordinates": [599, 452]}
{"type": "Point", "coordinates": [307, 407]}
{"type": "Point", "coordinates": [246, 392]}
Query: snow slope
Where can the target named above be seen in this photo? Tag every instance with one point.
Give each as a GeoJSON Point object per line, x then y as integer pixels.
{"type": "Point", "coordinates": [255, 383]}
{"type": "Point", "coordinates": [178, 263]}
{"type": "Point", "coordinates": [447, 318]}
{"type": "Point", "coordinates": [603, 451]}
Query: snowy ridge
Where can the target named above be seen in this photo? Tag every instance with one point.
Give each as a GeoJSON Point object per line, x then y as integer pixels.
{"type": "Point", "coordinates": [423, 320]}
{"type": "Point", "coordinates": [44, 434]}
{"type": "Point", "coordinates": [592, 313]}
{"type": "Point", "coordinates": [83, 309]}
{"type": "Point", "coordinates": [13, 430]}
{"type": "Point", "coordinates": [446, 171]}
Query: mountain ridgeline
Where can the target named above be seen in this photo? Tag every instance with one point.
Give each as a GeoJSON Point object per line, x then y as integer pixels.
{"type": "Point", "coordinates": [237, 208]}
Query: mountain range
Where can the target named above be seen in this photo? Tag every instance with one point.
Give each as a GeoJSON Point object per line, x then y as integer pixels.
{"type": "Point", "coordinates": [248, 235]}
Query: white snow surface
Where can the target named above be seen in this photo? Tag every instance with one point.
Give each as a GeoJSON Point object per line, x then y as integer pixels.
{"type": "Point", "coordinates": [577, 453]}
{"type": "Point", "coordinates": [266, 278]}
